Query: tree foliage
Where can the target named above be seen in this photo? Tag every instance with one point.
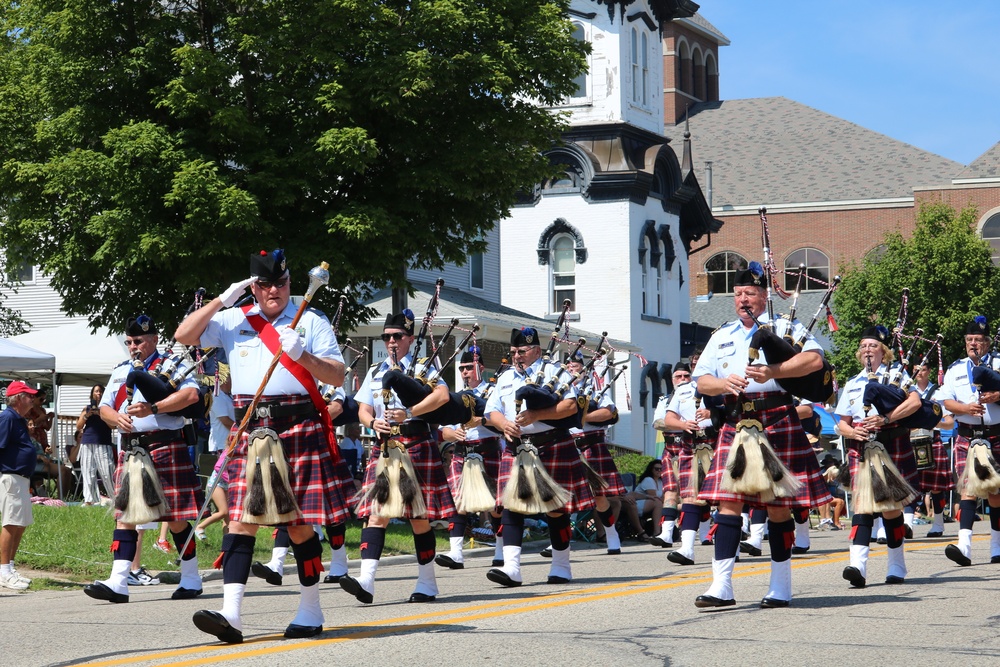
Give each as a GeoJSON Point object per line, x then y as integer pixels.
{"type": "Point", "coordinates": [950, 277]}
{"type": "Point", "coordinates": [147, 147]}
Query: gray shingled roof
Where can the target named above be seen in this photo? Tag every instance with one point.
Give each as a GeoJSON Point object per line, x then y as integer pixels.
{"type": "Point", "coordinates": [704, 24]}
{"type": "Point", "coordinates": [773, 150]}
{"type": "Point", "coordinates": [986, 165]}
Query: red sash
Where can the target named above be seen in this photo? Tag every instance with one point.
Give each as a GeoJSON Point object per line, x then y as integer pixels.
{"type": "Point", "coordinates": [122, 392]}
{"type": "Point", "coordinates": [269, 336]}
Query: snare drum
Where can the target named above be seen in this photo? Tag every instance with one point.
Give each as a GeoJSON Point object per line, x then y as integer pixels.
{"type": "Point", "coordinates": [922, 441]}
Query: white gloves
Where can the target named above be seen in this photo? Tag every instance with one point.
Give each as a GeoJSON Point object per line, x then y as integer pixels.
{"type": "Point", "coordinates": [291, 343]}
{"type": "Point", "coordinates": [235, 291]}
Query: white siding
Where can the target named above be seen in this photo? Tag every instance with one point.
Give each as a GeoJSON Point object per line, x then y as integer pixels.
{"type": "Point", "coordinates": [38, 303]}
{"type": "Point", "coordinates": [457, 277]}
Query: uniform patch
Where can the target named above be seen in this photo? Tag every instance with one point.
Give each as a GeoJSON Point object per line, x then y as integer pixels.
{"type": "Point", "coordinates": [727, 344]}
{"type": "Point", "coordinates": [249, 333]}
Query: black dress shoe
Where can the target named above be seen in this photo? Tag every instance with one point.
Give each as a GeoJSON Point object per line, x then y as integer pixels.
{"type": "Point", "coordinates": [908, 532]}
{"type": "Point", "coordinates": [553, 579]}
{"type": "Point", "coordinates": [332, 578]}
{"type": "Point", "coordinates": [444, 560]}
{"type": "Point", "coordinates": [708, 543]}
{"type": "Point", "coordinates": [353, 586]}
{"type": "Point", "coordinates": [100, 591]}
{"type": "Point", "coordinates": [295, 631]}
{"type": "Point", "coordinates": [497, 562]}
{"type": "Point", "coordinates": [935, 533]}
{"type": "Point", "coordinates": [853, 575]}
{"type": "Point", "coordinates": [422, 597]}
{"type": "Point", "coordinates": [708, 601]}
{"type": "Point", "coordinates": [216, 624]}
{"type": "Point", "coordinates": [892, 579]}
{"type": "Point", "coordinates": [498, 576]}
{"type": "Point", "coordinates": [614, 552]}
{"type": "Point", "coordinates": [955, 554]}
{"type": "Point", "coordinates": [264, 572]}
{"type": "Point", "coordinates": [800, 550]}
{"type": "Point", "coordinates": [994, 559]}
{"type": "Point", "coordinates": [747, 548]}
{"type": "Point", "coordinates": [186, 593]}
{"type": "Point", "coordinates": [679, 558]}
{"type": "Point", "coordinates": [773, 603]}
{"type": "Point", "coordinates": [546, 552]}
{"type": "Point", "coordinates": [881, 540]}
{"type": "Point", "coordinates": [657, 542]}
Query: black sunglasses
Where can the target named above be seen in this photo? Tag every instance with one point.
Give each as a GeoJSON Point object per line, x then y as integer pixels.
{"type": "Point", "coordinates": [267, 284]}
{"type": "Point", "coordinates": [396, 335]}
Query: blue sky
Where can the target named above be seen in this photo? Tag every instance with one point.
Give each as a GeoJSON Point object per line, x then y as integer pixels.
{"type": "Point", "coordinates": [926, 73]}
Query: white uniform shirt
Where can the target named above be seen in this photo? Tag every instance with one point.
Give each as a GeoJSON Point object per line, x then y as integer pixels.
{"type": "Point", "coordinates": [502, 399]}
{"type": "Point", "coordinates": [157, 422]}
{"type": "Point", "coordinates": [249, 358]}
{"type": "Point", "coordinates": [370, 392]}
{"type": "Point", "coordinates": [684, 404]}
{"type": "Point", "coordinates": [851, 403]}
{"type": "Point", "coordinates": [605, 402]}
{"type": "Point", "coordinates": [218, 434]}
{"type": "Point", "coordinates": [727, 353]}
{"type": "Point", "coordinates": [477, 432]}
{"type": "Point", "coordinates": [958, 386]}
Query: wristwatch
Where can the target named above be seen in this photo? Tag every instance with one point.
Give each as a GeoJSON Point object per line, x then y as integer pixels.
{"type": "Point", "coordinates": [153, 408]}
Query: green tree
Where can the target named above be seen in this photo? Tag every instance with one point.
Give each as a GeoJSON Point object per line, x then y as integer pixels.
{"type": "Point", "coordinates": [950, 277]}
{"type": "Point", "coordinates": [148, 147]}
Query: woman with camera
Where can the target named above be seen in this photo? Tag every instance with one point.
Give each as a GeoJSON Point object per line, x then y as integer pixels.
{"type": "Point", "coordinates": [96, 451]}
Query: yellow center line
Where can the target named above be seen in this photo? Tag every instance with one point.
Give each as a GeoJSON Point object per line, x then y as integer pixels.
{"type": "Point", "coordinates": [277, 644]}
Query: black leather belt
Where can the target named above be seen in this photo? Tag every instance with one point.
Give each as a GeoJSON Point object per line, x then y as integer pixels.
{"type": "Point", "coordinates": [484, 446]}
{"type": "Point", "coordinates": [885, 435]}
{"type": "Point", "coordinates": [150, 439]}
{"type": "Point", "coordinates": [765, 403]}
{"type": "Point", "coordinates": [274, 409]}
{"type": "Point", "coordinates": [407, 429]}
{"type": "Point", "coordinates": [544, 438]}
{"type": "Point", "coordinates": [969, 431]}
{"type": "Point", "coordinates": [589, 439]}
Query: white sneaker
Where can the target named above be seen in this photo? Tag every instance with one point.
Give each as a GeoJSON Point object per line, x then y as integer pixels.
{"type": "Point", "coordinates": [142, 578]}
{"type": "Point", "coordinates": [21, 576]}
{"type": "Point", "coordinates": [199, 533]}
{"type": "Point", "coordinates": [14, 581]}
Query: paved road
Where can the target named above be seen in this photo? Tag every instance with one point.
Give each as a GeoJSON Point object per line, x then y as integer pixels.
{"type": "Point", "coordinates": [634, 609]}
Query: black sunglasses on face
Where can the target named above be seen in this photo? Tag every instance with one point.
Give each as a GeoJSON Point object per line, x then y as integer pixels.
{"type": "Point", "coordinates": [266, 284]}
{"type": "Point", "coordinates": [393, 336]}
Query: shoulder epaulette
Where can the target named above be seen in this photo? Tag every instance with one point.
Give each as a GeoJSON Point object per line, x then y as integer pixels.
{"type": "Point", "coordinates": [955, 363]}
{"type": "Point", "coordinates": [124, 363]}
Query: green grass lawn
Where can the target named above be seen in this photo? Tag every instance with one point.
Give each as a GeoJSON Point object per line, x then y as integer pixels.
{"type": "Point", "coordinates": [74, 542]}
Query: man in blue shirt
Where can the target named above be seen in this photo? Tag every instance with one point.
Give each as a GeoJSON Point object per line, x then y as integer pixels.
{"type": "Point", "coordinates": [17, 462]}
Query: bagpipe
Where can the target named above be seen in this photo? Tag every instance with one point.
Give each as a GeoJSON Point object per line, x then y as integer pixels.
{"type": "Point", "coordinates": [164, 378]}
{"type": "Point", "coordinates": [981, 477]}
{"type": "Point", "coordinates": [818, 386]}
{"type": "Point", "coordinates": [349, 413]}
{"type": "Point", "coordinates": [537, 396]}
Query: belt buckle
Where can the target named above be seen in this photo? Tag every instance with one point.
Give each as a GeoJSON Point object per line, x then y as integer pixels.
{"type": "Point", "coordinates": [394, 430]}
{"type": "Point", "coordinates": [263, 411]}
{"type": "Point", "coordinates": [748, 406]}
{"type": "Point", "coordinates": [978, 433]}
{"type": "Point", "coordinates": [134, 441]}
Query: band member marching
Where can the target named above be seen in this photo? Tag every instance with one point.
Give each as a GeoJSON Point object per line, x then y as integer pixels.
{"type": "Point", "coordinates": [281, 470]}
{"type": "Point", "coordinates": [978, 417]}
{"type": "Point", "coordinates": [538, 456]}
{"type": "Point", "coordinates": [760, 416]}
{"type": "Point", "coordinates": [870, 436]}
{"type": "Point", "coordinates": [152, 437]}
{"type": "Point", "coordinates": [471, 440]}
{"type": "Point", "coordinates": [668, 468]}
{"type": "Point", "coordinates": [697, 442]}
{"type": "Point", "coordinates": [934, 475]}
{"type": "Point", "coordinates": [409, 447]}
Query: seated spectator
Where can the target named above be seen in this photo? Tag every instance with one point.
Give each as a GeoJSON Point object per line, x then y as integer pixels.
{"type": "Point", "coordinates": [647, 499]}
{"type": "Point", "coordinates": [351, 447]}
{"type": "Point", "coordinates": [830, 469]}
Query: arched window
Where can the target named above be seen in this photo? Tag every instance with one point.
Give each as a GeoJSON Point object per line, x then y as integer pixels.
{"type": "Point", "coordinates": [563, 271]}
{"type": "Point", "coordinates": [644, 62]}
{"type": "Point", "coordinates": [991, 234]}
{"type": "Point", "coordinates": [580, 35]}
{"type": "Point", "coordinates": [721, 269]}
{"type": "Point", "coordinates": [817, 269]}
{"type": "Point", "coordinates": [634, 58]}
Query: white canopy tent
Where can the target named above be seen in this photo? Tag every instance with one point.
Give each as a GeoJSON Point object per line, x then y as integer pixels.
{"type": "Point", "coordinates": [82, 358]}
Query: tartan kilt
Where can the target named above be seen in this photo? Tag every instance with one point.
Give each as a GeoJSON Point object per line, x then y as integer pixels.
{"type": "Point", "coordinates": [667, 473]}
{"type": "Point", "coordinates": [788, 440]}
{"type": "Point", "coordinates": [938, 478]}
{"type": "Point", "coordinates": [684, 462]}
{"type": "Point", "coordinates": [491, 462]}
{"type": "Point", "coordinates": [427, 464]}
{"type": "Point", "coordinates": [315, 481]}
{"type": "Point", "coordinates": [181, 486]}
{"type": "Point", "coordinates": [561, 459]}
{"type": "Point", "coordinates": [961, 448]}
{"type": "Point", "coordinates": [599, 457]}
{"type": "Point", "coordinates": [899, 450]}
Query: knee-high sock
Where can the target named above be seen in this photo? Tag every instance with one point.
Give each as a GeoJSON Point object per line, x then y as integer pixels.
{"type": "Point", "coordinates": [424, 545]}
{"type": "Point", "coordinates": [607, 517]}
{"type": "Point", "coordinates": [456, 525]}
{"type": "Point", "coordinates": [938, 501]}
{"type": "Point", "coordinates": [781, 537]}
{"type": "Point", "coordinates": [338, 554]}
{"type": "Point", "coordinates": [669, 521]}
{"type": "Point", "coordinates": [861, 529]}
{"type": "Point", "coordinates": [513, 528]}
{"type": "Point", "coordinates": [179, 540]}
{"type": "Point", "coordinates": [309, 561]}
{"type": "Point", "coordinates": [237, 556]}
{"type": "Point", "coordinates": [123, 548]}
{"type": "Point", "coordinates": [895, 531]}
{"type": "Point", "coordinates": [727, 536]}
{"type": "Point", "coordinates": [560, 532]}
{"type": "Point", "coordinates": [372, 543]}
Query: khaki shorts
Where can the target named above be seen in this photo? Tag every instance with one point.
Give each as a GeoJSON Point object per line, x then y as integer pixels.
{"type": "Point", "coordinates": [15, 501]}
